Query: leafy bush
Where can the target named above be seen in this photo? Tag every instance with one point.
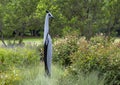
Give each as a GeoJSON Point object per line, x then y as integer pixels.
{"type": "Point", "coordinates": [63, 48]}
{"type": "Point", "coordinates": [100, 55]}
{"type": "Point", "coordinates": [10, 77]}
{"type": "Point", "coordinates": [12, 60]}
{"type": "Point", "coordinates": [18, 56]}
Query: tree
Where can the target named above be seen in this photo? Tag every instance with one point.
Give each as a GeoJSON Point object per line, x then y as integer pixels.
{"type": "Point", "coordinates": [89, 17]}
{"type": "Point", "coordinates": [1, 24]}
{"type": "Point", "coordinates": [17, 15]}
{"type": "Point", "coordinates": [112, 18]}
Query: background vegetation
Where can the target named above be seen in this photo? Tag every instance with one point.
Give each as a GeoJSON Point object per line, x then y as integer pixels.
{"type": "Point", "coordinates": [88, 17]}
{"type": "Point", "coordinates": [75, 61]}
{"type": "Point", "coordinates": [97, 54]}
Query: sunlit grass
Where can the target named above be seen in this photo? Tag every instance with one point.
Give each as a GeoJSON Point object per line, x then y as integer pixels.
{"type": "Point", "coordinates": [117, 40]}
{"type": "Point", "coordinates": [26, 41]}
{"type": "Point", "coordinates": [83, 79]}
{"type": "Point", "coordinates": [32, 40]}
{"type": "Point", "coordinates": [35, 76]}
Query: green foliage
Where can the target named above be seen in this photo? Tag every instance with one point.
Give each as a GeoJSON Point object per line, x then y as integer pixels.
{"type": "Point", "coordinates": [10, 77]}
{"type": "Point", "coordinates": [89, 17]}
{"type": "Point", "coordinates": [80, 57]}
{"type": "Point", "coordinates": [12, 60]}
{"type": "Point", "coordinates": [63, 48]}
{"type": "Point", "coordinates": [98, 54]}
{"type": "Point", "coordinates": [19, 56]}
{"type": "Point", "coordinates": [35, 75]}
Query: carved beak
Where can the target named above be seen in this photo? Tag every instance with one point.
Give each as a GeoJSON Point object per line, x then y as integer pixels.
{"type": "Point", "coordinates": [52, 17]}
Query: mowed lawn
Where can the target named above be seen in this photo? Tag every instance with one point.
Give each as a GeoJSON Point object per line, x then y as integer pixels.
{"type": "Point", "coordinates": [27, 41]}
{"type": "Point", "coordinates": [33, 41]}
{"type": "Point", "coordinates": [38, 41]}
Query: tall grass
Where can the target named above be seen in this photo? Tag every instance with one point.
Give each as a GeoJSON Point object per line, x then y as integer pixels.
{"type": "Point", "coordinates": [83, 79]}
{"type": "Point", "coordinates": [35, 76]}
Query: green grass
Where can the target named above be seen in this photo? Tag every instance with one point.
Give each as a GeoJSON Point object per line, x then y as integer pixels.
{"type": "Point", "coordinates": [33, 41]}
{"type": "Point", "coordinates": [83, 79]}
{"type": "Point", "coordinates": [27, 41]}
{"type": "Point", "coordinates": [35, 76]}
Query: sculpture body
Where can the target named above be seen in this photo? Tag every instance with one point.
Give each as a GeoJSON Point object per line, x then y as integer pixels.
{"type": "Point", "coordinates": [47, 45]}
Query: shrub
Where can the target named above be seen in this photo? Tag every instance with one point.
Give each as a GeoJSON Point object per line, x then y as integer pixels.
{"type": "Point", "coordinates": [12, 60]}
{"type": "Point", "coordinates": [98, 56]}
{"type": "Point", "coordinates": [18, 56]}
{"type": "Point", "coordinates": [63, 48]}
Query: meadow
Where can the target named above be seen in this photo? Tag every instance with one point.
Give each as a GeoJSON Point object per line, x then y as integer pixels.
{"type": "Point", "coordinates": [76, 61]}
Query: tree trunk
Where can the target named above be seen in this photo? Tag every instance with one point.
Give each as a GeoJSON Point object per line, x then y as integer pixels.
{"type": "Point", "coordinates": [2, 39]}
{"type": "Point", "coordinates": [22, 33]}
